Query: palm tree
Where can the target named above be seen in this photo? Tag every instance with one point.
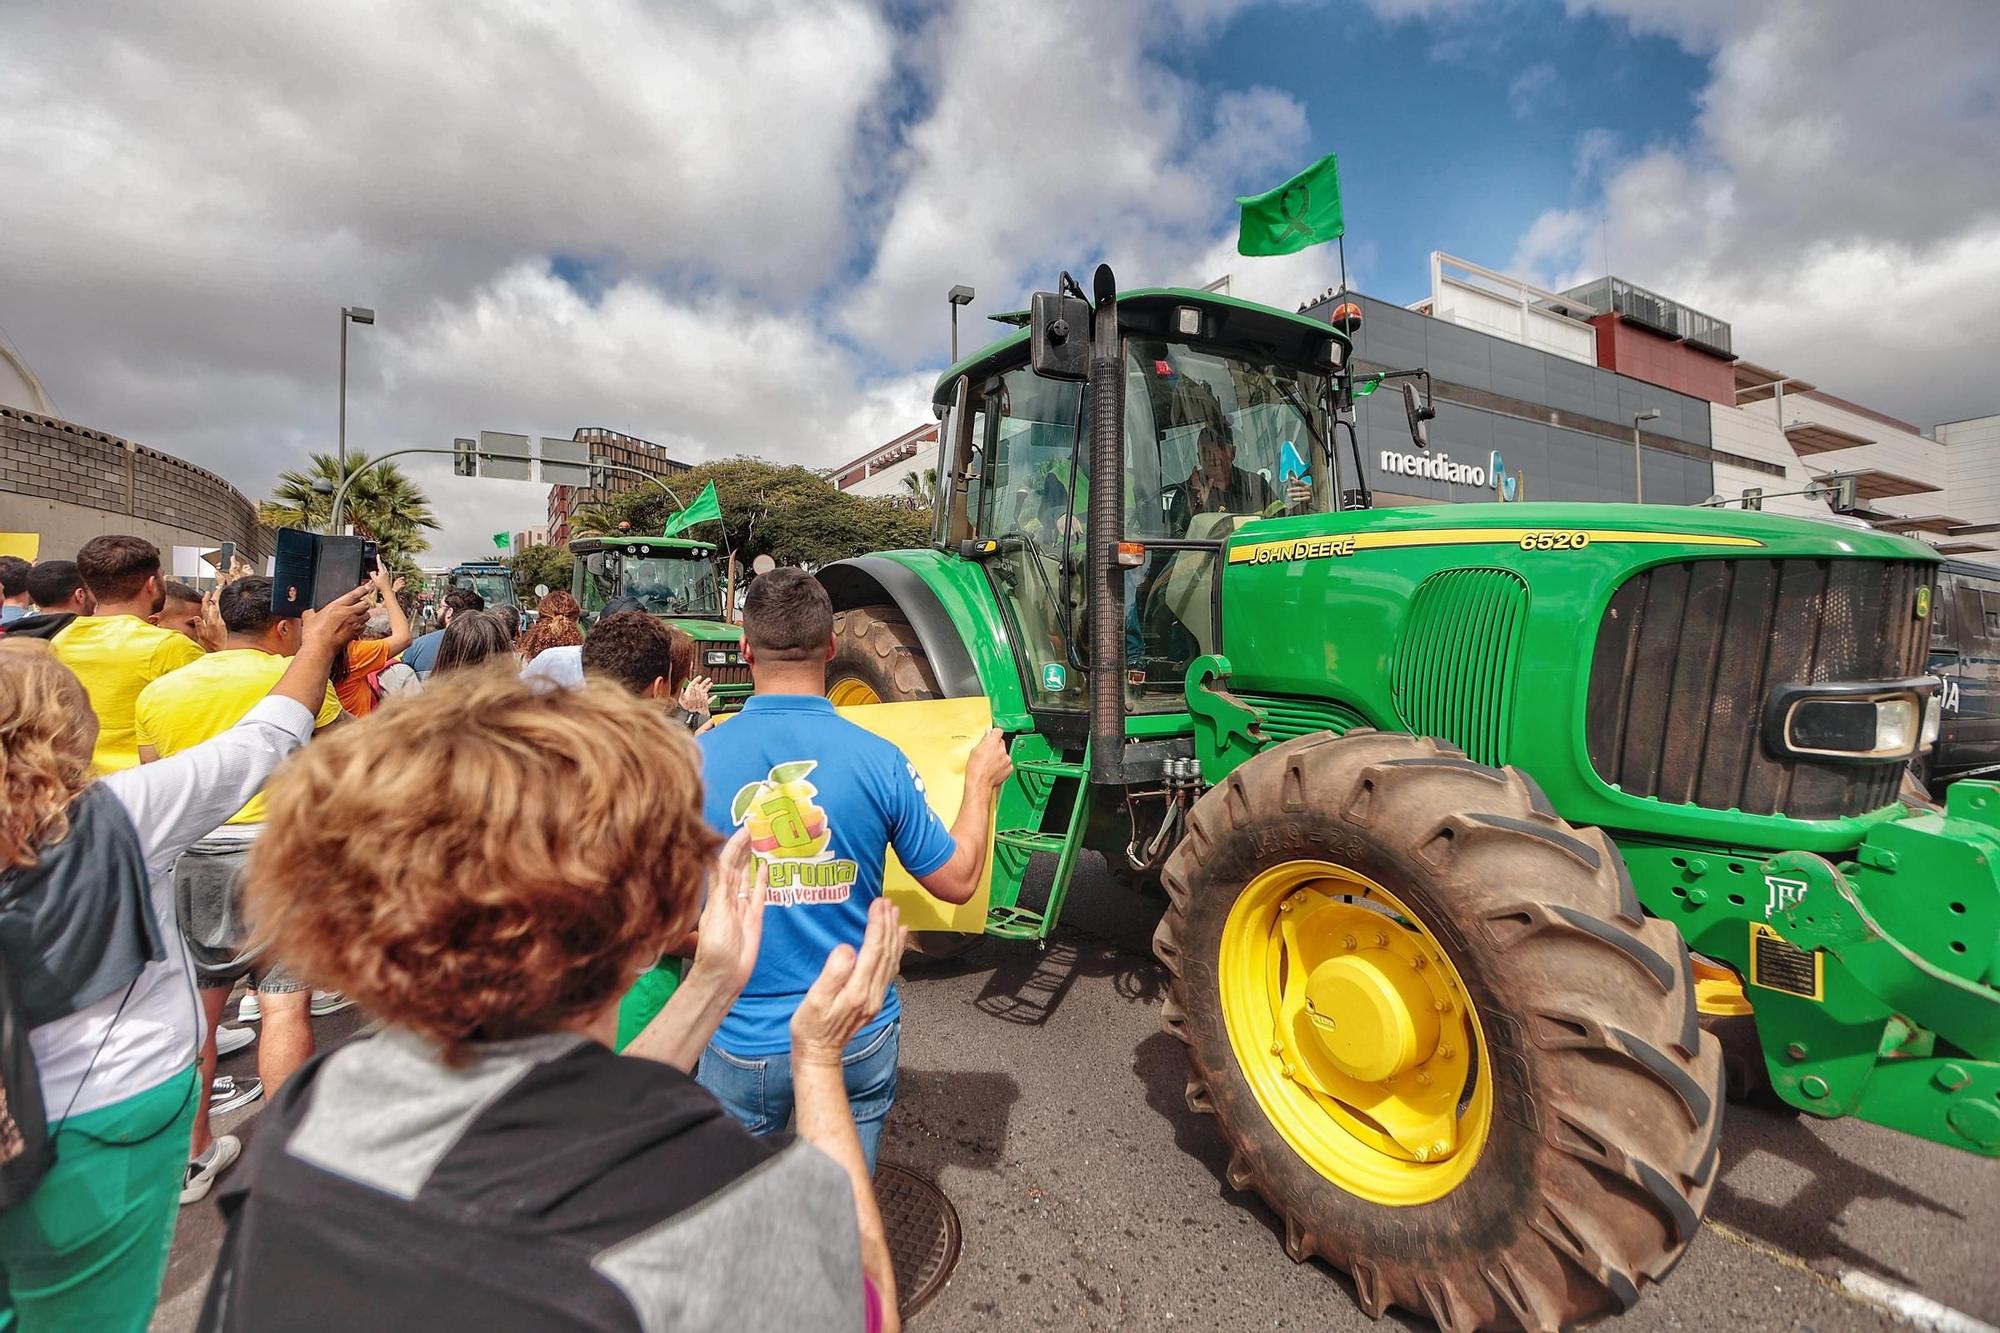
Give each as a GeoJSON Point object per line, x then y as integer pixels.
{"type": "Point", "coordinates": [920, 489]}
{"type": "Point", "coordinates": [381, 502]}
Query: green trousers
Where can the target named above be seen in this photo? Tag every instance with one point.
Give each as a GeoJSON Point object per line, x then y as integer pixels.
{"type": "Point", "coordinates": [649, 994]}
{"type": "Point", "coordinates": [87, 1249]}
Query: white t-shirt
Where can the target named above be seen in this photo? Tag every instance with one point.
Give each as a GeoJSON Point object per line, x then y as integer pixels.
{"type": "Point", "coordinates": [172, 804]}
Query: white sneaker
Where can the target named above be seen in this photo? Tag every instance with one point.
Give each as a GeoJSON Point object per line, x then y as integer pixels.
{"type": "Point", "coordinates": [326, 1002]}
{"type": "Point", "coordinates": [202, 1171]}
{"type": "Point", "coordinates": [248, 1012]}
{"type": "Point", "coordinates": [229, 1040]}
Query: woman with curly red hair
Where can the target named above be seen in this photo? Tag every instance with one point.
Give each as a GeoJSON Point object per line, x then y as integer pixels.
{"type": "Point", "coordinates": [557, 618]}
{"type": "Point", "coordinates": [487, 1159]}
{"type": "Point", "coordinates": [97, 973]}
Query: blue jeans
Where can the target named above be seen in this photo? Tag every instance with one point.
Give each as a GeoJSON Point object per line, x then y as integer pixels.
{"type": "Point", "coordinates": [757, 1089]}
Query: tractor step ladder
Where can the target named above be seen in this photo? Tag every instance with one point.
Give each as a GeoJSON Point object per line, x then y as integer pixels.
{"type": "Point", "coordinates": [1024, 831]}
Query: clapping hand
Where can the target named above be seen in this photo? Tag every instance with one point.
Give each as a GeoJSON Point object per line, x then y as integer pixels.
{"type": "Point", "coordinates": [850, 989]}
{"type": "Point", "coordinates": [732, 920]}
{"type": "Point", "coordinates": [213, 632]}
{"type": "Point", "coordinates": [696, 694]}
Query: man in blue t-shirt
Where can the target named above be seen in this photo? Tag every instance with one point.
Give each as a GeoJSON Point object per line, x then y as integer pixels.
{"type": "Point", "coordinates": [824, 801]}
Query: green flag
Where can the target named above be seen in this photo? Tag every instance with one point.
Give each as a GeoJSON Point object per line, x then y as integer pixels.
{"type": "Point", "coordinates": [1304, 211]}
{"type": "Point", "coordinates": [502, 540]}
{"type": "Point", "coordinates": [705, 507]}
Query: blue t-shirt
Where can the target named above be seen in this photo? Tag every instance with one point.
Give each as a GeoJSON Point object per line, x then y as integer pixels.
{"type": "Point", "coordinates": [824, 800]}
{"type": "Point", "coordinates": [422, 654]}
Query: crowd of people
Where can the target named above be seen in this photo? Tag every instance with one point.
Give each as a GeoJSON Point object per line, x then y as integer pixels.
{"type": "Point", "coordinates": [613, 950]}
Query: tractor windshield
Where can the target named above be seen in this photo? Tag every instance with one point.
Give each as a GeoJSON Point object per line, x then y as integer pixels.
{"type": "Point", "coordinates": [1214, 435]}
{"type": "Point", "coordinates": [674, 585]}
{"type": "Point", "coordinates": [494, 589]}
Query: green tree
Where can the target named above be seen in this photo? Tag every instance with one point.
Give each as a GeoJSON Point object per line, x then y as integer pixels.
{"type": "Point", "coordinates": [382, 503]}
{"type": "Point", "coordinates": [540, 564]}
{"type": "Point", "coordinates": [920, 488]}
{"type": "Point", "coordinates": [789, 513]}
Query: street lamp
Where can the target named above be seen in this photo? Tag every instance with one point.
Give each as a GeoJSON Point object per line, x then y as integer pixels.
{"type": "Point", "coordinates": [958, 296]}
{"type": "Point", "coordinates": [1638, 459]}
{"type": "Point", "coordinates": [359, 315]}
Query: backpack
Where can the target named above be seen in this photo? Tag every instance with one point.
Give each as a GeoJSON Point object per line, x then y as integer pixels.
{"type": "Point", "coordinates": [27, 1149]}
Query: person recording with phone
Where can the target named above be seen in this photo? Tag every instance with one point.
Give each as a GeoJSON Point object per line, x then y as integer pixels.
{"type": "Point", "coordinates": [107, 1078]}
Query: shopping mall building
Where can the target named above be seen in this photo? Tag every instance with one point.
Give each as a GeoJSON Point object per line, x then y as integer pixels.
{"type": "Point", "coordinates": [1541, 394]}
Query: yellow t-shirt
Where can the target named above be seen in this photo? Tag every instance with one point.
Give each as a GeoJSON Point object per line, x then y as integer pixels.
{"type": "Point", "coordinates": [207, 699]}
{"type": "Point", "coordinates": [116, 657]}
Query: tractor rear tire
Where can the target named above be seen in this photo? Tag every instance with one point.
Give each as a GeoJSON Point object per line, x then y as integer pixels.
{"type": "Point", "coordinates": [877, 658]}
{"type": "Point", "coordinates": [876, 652]}
{"type": "Point", "coordinates": [1601, 1141]}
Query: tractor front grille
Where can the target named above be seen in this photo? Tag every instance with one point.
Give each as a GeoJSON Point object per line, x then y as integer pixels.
{"type": "Point", "coordinates": [1687, 656]}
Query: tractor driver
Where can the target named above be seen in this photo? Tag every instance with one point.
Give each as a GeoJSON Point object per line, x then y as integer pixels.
{"type": "Point", "coordinates": [1218, 486]}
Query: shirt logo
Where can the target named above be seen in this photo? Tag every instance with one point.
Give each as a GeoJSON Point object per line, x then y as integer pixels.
{"type": "Point", "coordinates": [793, 836]}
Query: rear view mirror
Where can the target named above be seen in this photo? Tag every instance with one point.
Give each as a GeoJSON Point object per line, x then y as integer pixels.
{"type": "Point", "coordinates": [1418, 410]}
{"type": "Point", "coordinates": [1059, 333]}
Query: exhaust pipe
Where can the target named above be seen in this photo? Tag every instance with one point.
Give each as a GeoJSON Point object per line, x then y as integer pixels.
{"type": "Point", "coordinates": [1104, 530]}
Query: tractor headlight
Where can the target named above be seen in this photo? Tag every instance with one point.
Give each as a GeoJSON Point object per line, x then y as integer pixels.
{"type": "Point", "coordinates": [1863, 723]}
{"type": "Point", "coordinates": [1933, 711]}
{"type": "Point", "coordinates": [720, 657]}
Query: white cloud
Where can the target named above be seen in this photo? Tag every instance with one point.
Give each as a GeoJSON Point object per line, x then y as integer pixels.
{"type": "Point", "coordinates": [1838, 200]}
{"type": "Point", "coordinates": [767, 202]}
{"type": "Point", "coordinates": [1067, 143]}
{"type": "Point", "coordinates": [1533, 89]}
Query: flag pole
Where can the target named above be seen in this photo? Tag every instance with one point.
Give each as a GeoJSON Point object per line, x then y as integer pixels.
{"type": "Point", "coordinates": [1342, 239]}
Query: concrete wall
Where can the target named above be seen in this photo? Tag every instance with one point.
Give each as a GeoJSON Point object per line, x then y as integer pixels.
{"type": "Point", "coordinates": [1753, 434]}
{"type": "Point", "coordinates": [70, 483]}
{"type": "Point", "coordinates": [1972, 468]}
{"type": "Point", "coordinates": [1515, 320]}
{"type": "Point", "coordinates": [1897, 449]}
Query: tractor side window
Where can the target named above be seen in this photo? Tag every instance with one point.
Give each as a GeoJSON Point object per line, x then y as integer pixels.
{"type": "Point", "coordinates": [1029, 471]}
{"type": "Point", "coordinates": [600, 583]}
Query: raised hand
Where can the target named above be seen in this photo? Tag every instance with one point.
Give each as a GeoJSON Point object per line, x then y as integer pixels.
{"type": "Point", "coordinates": [850, 989]}
{"type": "Point", "coordinates": [732, 920]}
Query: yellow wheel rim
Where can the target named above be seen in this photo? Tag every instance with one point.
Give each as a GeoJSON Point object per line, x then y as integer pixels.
{"type": "Point", "coordinates": [848, 692]}
{"type": "Point", "coordinates": [1355, 1032]}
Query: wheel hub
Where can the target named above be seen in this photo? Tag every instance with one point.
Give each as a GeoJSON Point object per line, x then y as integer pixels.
{"type": "Point", "coordinates": [1369, 1060]}
{"type": "Point", "coordinates": [1370, 1014]}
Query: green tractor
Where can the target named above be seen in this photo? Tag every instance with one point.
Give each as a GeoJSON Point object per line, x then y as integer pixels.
{"type": "Point", "coordinates": [1474, 821]}
{"type": "Point", "coordinates": [677, 580]}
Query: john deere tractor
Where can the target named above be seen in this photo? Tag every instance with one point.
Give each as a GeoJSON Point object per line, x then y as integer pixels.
{"type": "Point", "coordinates": [1471, 819]}
{"type": "Point", "coordinates": [677, 580]}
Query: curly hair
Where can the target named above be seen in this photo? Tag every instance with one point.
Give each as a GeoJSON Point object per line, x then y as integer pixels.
{"type": "Point", "coordinates": [556, 628]}
{"type": "Point", "coordinates": [635, 649]}
{"type": "Point", "coordinates": [47, 730]}
{"type": "Point", "coordinates": [486, 862]}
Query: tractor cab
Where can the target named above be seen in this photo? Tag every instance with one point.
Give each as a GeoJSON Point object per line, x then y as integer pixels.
{"type": "Point", "coordinates": [677, 580]}
{"type": "Point", "coordinates": [1229, 416]}
{"type": "Point", "coordinates": [493, 580]}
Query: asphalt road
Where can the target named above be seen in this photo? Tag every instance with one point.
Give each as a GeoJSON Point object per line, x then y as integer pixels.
{"type": "Point", "coordinates": [1039, 1091]}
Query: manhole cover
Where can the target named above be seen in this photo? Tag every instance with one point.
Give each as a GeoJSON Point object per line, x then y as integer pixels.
{"type": "Point", "coordinates": [923, 1233]}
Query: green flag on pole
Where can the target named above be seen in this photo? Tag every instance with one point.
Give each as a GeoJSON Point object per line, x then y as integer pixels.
{"type": "Point", "coordinates": [1304, 211]}
{"type": "Point", "coordinates": [502, 540]}
{"type": "Point", "coordinates": [705, 507]}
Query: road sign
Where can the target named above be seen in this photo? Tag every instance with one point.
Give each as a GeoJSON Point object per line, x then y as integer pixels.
{"type": "Point", "coordinates": [505, 457]}
{"type": "Point", "coordinates": [566, 462]}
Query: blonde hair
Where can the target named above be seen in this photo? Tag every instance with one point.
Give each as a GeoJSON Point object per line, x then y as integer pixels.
{"type": "Point", "coordinates": [47, 730]}
{"type": "Point", "coordinates": [484, 861]}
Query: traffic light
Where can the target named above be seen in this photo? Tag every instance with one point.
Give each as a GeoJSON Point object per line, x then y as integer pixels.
{"type": "Point", "coordinates": [600, 474]}
{"type": "Point", "coordinates": [1844, 501]}
{"type": "Point", "coordinates": [1753, 497]}
{"type": "Point", "coordinates": [463, 461]}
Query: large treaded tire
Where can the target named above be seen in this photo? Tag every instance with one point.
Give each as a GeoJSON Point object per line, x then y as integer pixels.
{"type": "Point", "coordinates": [1608, 1098]}
{"type": "Point", "coordinates": [876, 646]}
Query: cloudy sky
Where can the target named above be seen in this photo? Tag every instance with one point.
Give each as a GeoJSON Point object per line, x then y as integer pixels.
{"type": "Point", "coordinates": [729, 227]}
